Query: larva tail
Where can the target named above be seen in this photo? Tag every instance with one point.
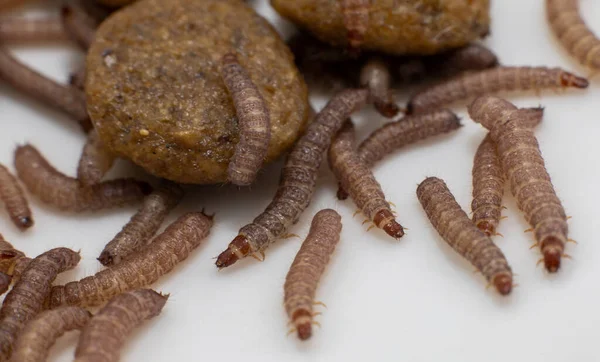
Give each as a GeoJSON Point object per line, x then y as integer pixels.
{"type": "Point", "coordinates": [239, 248]}
{"type": "Point", "coordinates": [385, 220]}
{"type": "Point", "coordinates": [503, 283]}
{"type": "Point", "coordinates": [571, 80]}
{"type": "Point", "coordinates": [302, 320]}
{"type": "Point", "coordinates": [552, 249]}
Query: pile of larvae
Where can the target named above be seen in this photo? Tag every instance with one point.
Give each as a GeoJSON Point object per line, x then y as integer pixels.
{"type": "Point", "coordinates": [35, 312]}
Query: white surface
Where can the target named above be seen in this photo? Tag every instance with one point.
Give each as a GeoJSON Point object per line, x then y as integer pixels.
{"type": "Point", "coordinates": [412, 300]}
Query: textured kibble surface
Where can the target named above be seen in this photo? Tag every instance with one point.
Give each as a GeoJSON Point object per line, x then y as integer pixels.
{"type": "Point", "coordinates": [156, 96]}
{"type": "Point", "coordinates": [399, 27]}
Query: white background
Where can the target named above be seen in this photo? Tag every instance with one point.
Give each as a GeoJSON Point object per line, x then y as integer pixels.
{"type": "Point", "coordinates": [409, 300]}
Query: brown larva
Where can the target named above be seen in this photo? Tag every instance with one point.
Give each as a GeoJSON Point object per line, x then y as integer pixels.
{"type": "Point", "coordinates": [570, 29]}
{"type": "Point", "coordinates": [303, 277]}
{"type": "Point", "coordinates": [524, 167]}
{"type": "Point", "coordinates": [40, 334]}
{"type": "Point", "coordinates": [102, 338]}
{"type": "Point", "coordinates": [356, 20]}
{"type": "Point", "coordinates": [455, 227]}
{"type": "Point", "coordinates": [14, 200]}
{"type": "Point", "coordinates": [488, 178]}
{"type": "Point", "coordinates": [298, 180]}
{"type": "Point", "coordinates": [144, 268]}
{"type": "Point", "coordinates": [375, 76]}
{"type": "Point", "coordinates": [15, 29]}
{"type": "Point", "coordinates": [406, 131]}
{"type": "Point", "coordinates": [491, 81]}
{"type": "Point", "coordinates": [138, 232]}
{"type": "Point", "coordinates": [66, 193]}
{"type": "Point", "coordinates": [68, 99]}
{"type": "Point", "coordinates": [27, 297]}
{"type": "Point", "coordinates": [79, 25]}
{"type": "Point", "coordinates": [356, 177]}
{"type": "Point", "coordinates": [253, 121]}
{"type": "Point", "coordinates": [95, 160]}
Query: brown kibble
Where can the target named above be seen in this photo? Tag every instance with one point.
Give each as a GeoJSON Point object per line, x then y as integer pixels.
{"type": "Point", "coordinates": [27, 297]}
{"type": "Point", "coordinates": [455, 227]}
{"type": "Point", "coordinates": [524, 167]}
{"type": "Point", "coordinates": [491, 81]}
{"type": "Point", "coordinates": [20, 29]}
{"type": "Point", "coordinates": [95, 161]}
{"type": "Point", "coordinates": [406, 131]}
{"type": "Point", "coordinates": [253, 121]}
{"type": "Point", "coordinates": [103, 337]}
{"type": "Point", "coordinates": [303, 277]}
{"type": "Point", "coordinates": [356, 177]}
{"type": "Point", "coordinates": [40, 334]}
{"type": "Point", "coordinates": [137, 233]}
{"type": "Point", "coordinates": [488, 178]}
{"type": "Point", "coordinates": [298, 180]}
{"type": "Point", "coordinates": [80, 26]}
{"type": "Point", "coordinates": [14, 200]}
{"type": "Point", "coordinates": [356, 20]}
{"type": "Point", "coordinates": [68, 99]}
{"type": "Point", "coordinates": [375, 75]}
{"type": "Point", "coordinates": [573, 33]}
{"type": "Point", "coordinates": [167, 250]}
{"type": "Point", "coordinates": [67, 193]}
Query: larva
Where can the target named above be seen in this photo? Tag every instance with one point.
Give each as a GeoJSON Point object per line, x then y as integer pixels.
{"type": "Point", "coordinates": [356, 20]}
{"type": "Point", "coordinates": [253, 119]}
{"type": "Point", "coordinates": [375, 75]}
{"type": "Point", "coordinates": [356, 177]}
{"type": "Point", "coordinates": [298, 179]}
{"type": "Point", "coordinates": [455, 227]}
{"type": "Point", "coordinates": [79, 25]}
{"type": "Point", "coordinates": [406, 131]}
{"type": "Point", "coordinates": [14, 200]}
{"type": "Point", "coordinates": [103, 337]}
{"type": "Point", "coordinates": [570, 29]}
{"type": "Point", "coordinates": [27, 297]}
{"type": "Point", "coordinates": [67, 99]}
{"type": "Point", "coordinates": [490, 81]}
{"type": "Point", "coordinates": [15, 29]}
{"type": "Point", "coordinates": [138, 232]}
{"type": "Point", "coordinates": [66, 193]}
{"type": "Point", "coordinates": [488, 178]}
{"type": "Point", "coordinates": [524, 167]}
{"type": "Point", "coordinates": [303, 277]}
{"type": "Point", "coordinates": [144, 268]}
{"type": "Point", "coordinates": [40, 334]}
{"type": "Point", "coordinates": [472, 57]}
{"type": "Point", "coordinates": [95, 160]}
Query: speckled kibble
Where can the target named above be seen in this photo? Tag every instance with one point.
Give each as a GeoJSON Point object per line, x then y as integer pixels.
{"type": "Point", "coordinates": [396, 27]}
{"type": "Point", "coordinates": [155, 94]}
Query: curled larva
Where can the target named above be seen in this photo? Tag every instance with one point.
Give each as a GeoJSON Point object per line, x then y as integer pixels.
{"type": "Point", "coordinates": [68, 99]}
{"type": "Point", "coordinates": [138, 232]}
{"type": "Point", "coordinates": [491, 81]}
{"type": "Point", "coordinates": [144, 268]}
{"type": "Point", "coordinates": [303, 277]}
{"type": "Point", "coordinates": [356, 20]}
{"type": "Point", "coordinates": [297, 182]}
{"type": "Point", "coordinates": [43, 29]}
{"type": "Point", "coordinates": [570, 29]}
{"type": "Point", "coordinates": [356, 177]}
{"type": "Point", "coordinates": [524, 167]}
{"type": "Point", "coordinates": [66, 193]}
{"type": "Point", "coordinates": [375, 75]}
{"type": "Point", "coordinates": [455, 227]}
{"type": "Point", "coordinates": [40, 334]}
{"type": "Point", "coordinates": [254, 122]}
{"type": "Point", "coordinates": [14, 200]}
{"type": "Point", "coordinates": [102, 338]}
{"type": "Point", "coordinates": [406, 131]}
{"type": "Point", "coordinates": [95, 160]}
{"type": "Point", "coordinates": [79, 25]}
{"type": "Point", "coordinates": [28, 296]}
{"type": "Point", "coordinates": [488, 178]}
